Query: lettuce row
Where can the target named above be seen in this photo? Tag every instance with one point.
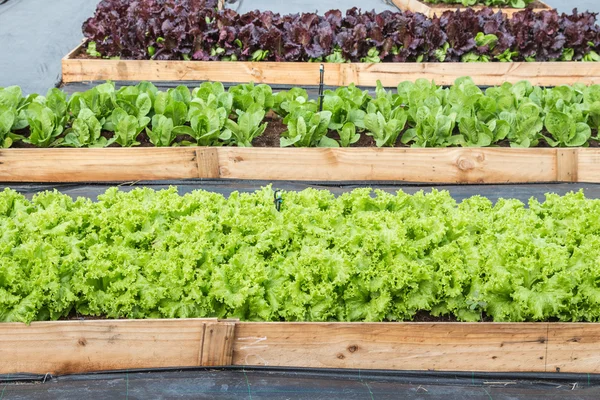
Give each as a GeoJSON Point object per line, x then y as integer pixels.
{"type": "Point", "coordinates": [196, 30]}
{"type": "Point", "coordinates": [362, 256]}
{"type": "Point", "coordinates": [420, 114]}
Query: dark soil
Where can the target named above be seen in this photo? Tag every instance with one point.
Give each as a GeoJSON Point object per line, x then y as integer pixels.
{"type": "Point", "coordinates": [270, 138]}
{"type": "Point", "coordinates": [535, 4]}
{"type": "Point", "coordinates": [421, 316]}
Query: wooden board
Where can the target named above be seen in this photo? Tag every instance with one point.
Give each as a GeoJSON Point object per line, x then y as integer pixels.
{"type": "Point", "coordinates": [305, 73]}
{"type": "Point", "coordinates": [65, 347]}
{"type": "Point", "coordinates": [79, 165]}
{"type": "Point", "coordinates": [450, 165]}
{"type": "Point", "coordinates": [402, 346]}
{"type": "Point", "coordinates": [574, 347]}
{"type": "Point", "coordinates": [431, 10]}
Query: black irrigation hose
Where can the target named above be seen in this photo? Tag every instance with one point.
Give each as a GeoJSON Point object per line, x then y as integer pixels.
{"type": "Point", "coordinates": [3, 2]}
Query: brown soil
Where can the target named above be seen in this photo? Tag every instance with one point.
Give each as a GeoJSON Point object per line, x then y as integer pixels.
{"type": "Point", "coordinates": [270, 138]}
{"type": "Point", "coordinates": [420, 316]}
{"type": "Point", "coordinates": [535, 4]}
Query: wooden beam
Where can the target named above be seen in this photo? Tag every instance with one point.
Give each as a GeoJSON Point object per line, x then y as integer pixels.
{"type": "Point", "coordinates": [80, 165]}
{"type": "Point", "coordinates": [431, 10]}
{"type": "Point", "coordinates": [305, 73]}
{"type": "Point", "coordinates": [401, 346]}
{"type": "Point", "coordinates": [450, 165]}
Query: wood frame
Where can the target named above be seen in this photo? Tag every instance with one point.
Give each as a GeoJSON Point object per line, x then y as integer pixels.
{"type": "Point", "coordinates": [305, 73]}
{"type": "Point", "coordinates": [448, 165]}
{"type": "Point", "coordinates": [65, 347]}
{"type": "Point", "coordinates": [430, 9]}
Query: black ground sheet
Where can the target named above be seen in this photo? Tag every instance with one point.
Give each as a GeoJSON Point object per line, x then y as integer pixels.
{"type": "Point", "coordinates": [294, 384]}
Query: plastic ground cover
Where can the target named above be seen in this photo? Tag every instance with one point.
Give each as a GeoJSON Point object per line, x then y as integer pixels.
{"type": "Point", "coordinates": [279, 383]}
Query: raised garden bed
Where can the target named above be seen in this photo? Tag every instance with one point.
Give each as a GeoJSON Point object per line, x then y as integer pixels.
{"type": "Point", "coordinates": [67, 347]}
{"type": "Point", "coordinates": [353, 257]}
{"type": "Point", "coordinates": [358, 48]}
{"type": "Point", "coordinates": [432, 10]}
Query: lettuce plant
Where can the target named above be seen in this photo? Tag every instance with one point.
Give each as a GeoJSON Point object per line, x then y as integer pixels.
{"type": "Point", "coordinates": [86, 131]}
{"type": "Point", "coordinates": [207, 126]}
{"type": "Point", "coordinates": [308, 129]}
{"type": "Point", "coordinates": [247, 127]}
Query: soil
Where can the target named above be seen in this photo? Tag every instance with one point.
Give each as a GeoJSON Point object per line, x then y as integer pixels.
{"type": "Point", "coordinates": [421, 316]}
{"type": "Point", "coordinates": [535, 4]}
{"type": "Point", "coordinates": [270, 138]}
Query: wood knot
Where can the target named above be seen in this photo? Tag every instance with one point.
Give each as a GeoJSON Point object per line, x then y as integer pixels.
{"type": "Point", "coordinates": [341, 356]}
{"type": "Point", "coordinates": [464, 164]}
{"type": "Point", "coordinates": [574, 340]}
{"type": "Point", "coordinates": [237, 159]}
{"type": "Point", "coordinates": [352, 348]}
{"type": "Point", "coordinates": [82, 342]}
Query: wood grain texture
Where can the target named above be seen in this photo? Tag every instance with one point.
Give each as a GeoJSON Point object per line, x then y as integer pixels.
{"type": "Point", "coordinates": [64, 347]}
{"type": "Point", "coordinates": [431, 10]}
{"type": "Point", "coordinates": [588, 165]}
{"type": "Point", "coordinates": [573, 347]}
{"type": "Point", "coordinates": [208, 162]}
{"type": "Point", "coordinates": [402, 346]}
{"type": "Point", "coordinates": [567, 165]}
{"type": "Point", "coordinates": [80, 165]}
{"type": "Point", "coordinates": [218, 343]}
{"type": "Point", "coordinates": [305, 73]}
{"type": "Point", "coordinates": [452, 165]}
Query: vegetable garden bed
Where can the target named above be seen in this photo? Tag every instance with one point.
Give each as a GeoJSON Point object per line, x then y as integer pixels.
{"type": "Point", "coordinates": [358, 47]}
{"type": "Point", "coordinates": [431, 10]}
{"type": "Point", "coordinates": [66, 347]}
{"type": "Point", "coordinates": [155, 256]}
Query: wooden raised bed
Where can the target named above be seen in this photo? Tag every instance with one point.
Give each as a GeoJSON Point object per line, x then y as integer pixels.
{"type": "Point", "coordinates": [450, 165]}
{"type": "Point", "coordinates": [304, 73]}
{"type": "Point", "coordinates": [438, 9]}
{"type": "Point", "coordinates": [64, 347]}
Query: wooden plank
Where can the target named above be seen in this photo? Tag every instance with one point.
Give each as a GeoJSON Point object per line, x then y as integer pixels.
{"type": "Point", "coordinates": [567, 165]}
{"type": "Point", "coordinates": [451, 165]}
{"type": "Point", "coordinates": [494, 73]}
{"type": "Point", "coordinates": [64, 347]}
{"type": "Point", "coordinates": [80, 165]}
{"type": "Point", "coordinates": [77, 70]}
{"type": "Point", "coordinates": [305, 73]}
{"type": "Point", "coordinates": [218, 343]}
{"type": "Point", "coordinates": [588, 165]}
{"type": "Point", "coordinates": [432, 10]}
{"type": "Point", "coordinates": [401, 346]}
{"type": "Point", "coordinates": [573, 347]}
